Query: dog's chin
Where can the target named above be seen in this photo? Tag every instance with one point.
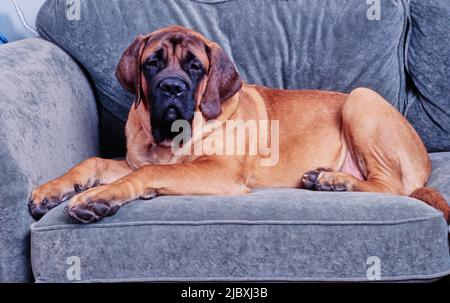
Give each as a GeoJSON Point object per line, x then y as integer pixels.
{"type": "Point", "coordinates": [162, 125]}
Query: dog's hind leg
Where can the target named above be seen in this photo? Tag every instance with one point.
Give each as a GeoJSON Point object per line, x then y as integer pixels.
{"type": "Point", "coordinates": [384, 146]}
{"type": "Point", "coordinates": [90, 173]}
{"type": "Point", "coordinates": [388, 151]}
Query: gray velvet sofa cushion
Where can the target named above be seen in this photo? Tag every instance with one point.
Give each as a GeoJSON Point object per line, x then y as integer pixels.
{"type": "Point", "coordinates": [300, 44]}
{"type": "Point", "coordinates": [269, 235]}
{"type": "Point", "coordinates": [428, 63]}
{"type": "Point", "coordinates": [48, 123]}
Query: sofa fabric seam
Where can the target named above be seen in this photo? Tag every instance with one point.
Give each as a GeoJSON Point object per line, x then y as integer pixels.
{"type": "Point", "coordinates": [233, 222]}
{"type": "Point", "coordinates": [263, 279]}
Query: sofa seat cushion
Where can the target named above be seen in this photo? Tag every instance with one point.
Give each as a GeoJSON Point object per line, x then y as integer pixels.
{"type": "Point", "coordinates": [268, 235]}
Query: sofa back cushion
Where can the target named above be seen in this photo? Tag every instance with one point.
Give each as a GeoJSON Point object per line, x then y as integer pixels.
{"type": "Point", "coordinates": [428, 65]}
{"type": "Point", "coordinates": [303, 44]}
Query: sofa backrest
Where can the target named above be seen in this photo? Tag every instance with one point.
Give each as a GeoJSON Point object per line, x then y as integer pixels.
{"type": "Point", "coordinates": [293, 44]}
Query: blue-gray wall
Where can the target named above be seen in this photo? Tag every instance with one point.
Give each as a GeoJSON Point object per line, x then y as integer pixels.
{"type": "Point", "coordinates": [10, 25]}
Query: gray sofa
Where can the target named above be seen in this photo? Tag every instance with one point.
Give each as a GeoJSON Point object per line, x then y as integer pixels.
{"type": "Point", "coordinates": [60, 103]}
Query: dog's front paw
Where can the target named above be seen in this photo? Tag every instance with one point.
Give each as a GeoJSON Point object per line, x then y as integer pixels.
{"type": "Point", "coordinates": [49, 196]}
{"type": "Point", "coordinates": [93, 205]}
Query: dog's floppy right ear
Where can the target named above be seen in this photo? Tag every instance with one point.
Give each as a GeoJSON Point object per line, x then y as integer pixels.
{"type": "Point", "coordinates": [128, 71]}
{"type": "Point", "coordinates": [223, 81]}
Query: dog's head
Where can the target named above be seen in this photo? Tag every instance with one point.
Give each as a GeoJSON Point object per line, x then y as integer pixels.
{"type": "Point", "coordinates": [175, 72]}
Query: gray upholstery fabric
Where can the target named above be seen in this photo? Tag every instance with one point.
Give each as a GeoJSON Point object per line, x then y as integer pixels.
{"type": "Point", "coordinates": [429, 66]}
{"type": "Point", "coordinates": [287, 235]}
{"type": "Point", "coordinates": [440, 178]}
{"type": "Point", "coordinates": [48, 122]}
{"type": "Point", "coordinates": [302, 44]}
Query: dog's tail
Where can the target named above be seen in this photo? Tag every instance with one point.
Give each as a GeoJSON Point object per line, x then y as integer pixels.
{"type": "Point", "coordinates": [433, 198]}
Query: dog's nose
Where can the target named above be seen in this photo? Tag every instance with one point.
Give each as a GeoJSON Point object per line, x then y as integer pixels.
{"type": "Point", "coordinates": [173, 86]}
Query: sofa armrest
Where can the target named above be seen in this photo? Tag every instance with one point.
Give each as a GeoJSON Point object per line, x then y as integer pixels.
{"type": "Point", "coordinates": [48, 123]}
{"type": "Point", "coordinates": [440, 178]}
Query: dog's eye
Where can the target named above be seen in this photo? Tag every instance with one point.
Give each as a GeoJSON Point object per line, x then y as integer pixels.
{"type": "Point", "coordinates": [195, 67]}
{"type": "Point", "coordinates": [153, 64]}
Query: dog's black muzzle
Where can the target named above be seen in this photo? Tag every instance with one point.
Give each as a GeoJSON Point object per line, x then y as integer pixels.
{"type": "Point", "coordinates": [172, 100]}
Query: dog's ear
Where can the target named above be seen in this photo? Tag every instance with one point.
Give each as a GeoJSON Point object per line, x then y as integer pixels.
{"type": "Point", "coordinates": [223, 82]}
{"type": "Point", "coordinates": [128, 71]}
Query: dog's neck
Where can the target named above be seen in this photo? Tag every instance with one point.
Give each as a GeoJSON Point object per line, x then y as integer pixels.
{"type": "Point", "coordinates": [144, 120]}
{"type": "Point", "coordinates": [199, 131]}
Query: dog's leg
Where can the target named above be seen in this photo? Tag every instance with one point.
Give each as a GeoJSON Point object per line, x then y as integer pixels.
{"type": "Point", "coordinates": [88, 174]}
{"type": "Point", "coordinates": [386, 148]}
{"type": "Point", "coordinates": [205, 177]}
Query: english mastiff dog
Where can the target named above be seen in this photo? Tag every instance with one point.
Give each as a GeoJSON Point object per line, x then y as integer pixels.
{"type": "Point", "coordinates": [327, 141]}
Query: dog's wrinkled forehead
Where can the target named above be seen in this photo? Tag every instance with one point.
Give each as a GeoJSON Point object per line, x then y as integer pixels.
{"type": "Point", "coordinates": [175, 45]}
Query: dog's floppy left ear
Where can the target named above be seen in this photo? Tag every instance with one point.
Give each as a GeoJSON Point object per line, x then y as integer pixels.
{"type": "Point", "coordinates": [223, 82]}
{"type": "Point", "coordinates": [128, 71]}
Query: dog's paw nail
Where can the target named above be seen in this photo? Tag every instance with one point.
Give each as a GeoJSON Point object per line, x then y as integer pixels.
{"type": "Point", "coordinates": [313, 176]}
{"type": "Point", "coordinates": [309, 179]}
{"type": "Point", "coordinates": [101, 209]}
{"type": "Point", "coordinates": [53, 204]}
{"type": "Point", "coordinates": [323, 187]}
{"type": "Point", "coordinates": [37, 212]}
{"type": "Point", "coordinates": [82, 215]}
{"type": "Point", "coordinates": [340, 187]}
